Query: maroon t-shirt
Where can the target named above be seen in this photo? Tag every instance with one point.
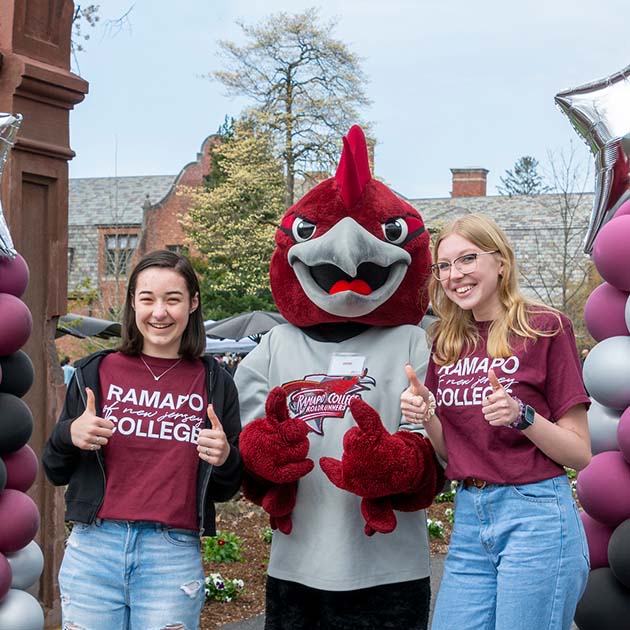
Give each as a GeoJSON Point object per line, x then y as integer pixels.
{"type": "Point", "coordinates": [151, 460]}
{"type": "Point", "coordinates": [544, 373]}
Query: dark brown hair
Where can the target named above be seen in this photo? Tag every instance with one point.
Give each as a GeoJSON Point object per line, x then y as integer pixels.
{"type": "Point", "coordinates": [193, 343]}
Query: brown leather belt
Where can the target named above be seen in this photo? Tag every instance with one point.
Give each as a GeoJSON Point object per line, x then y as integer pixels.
{"type": "Point", "coordinates": [478, 483]}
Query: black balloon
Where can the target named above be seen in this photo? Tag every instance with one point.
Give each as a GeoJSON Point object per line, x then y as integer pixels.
{"type": "Point", "coordinates": [605, 604]}
{"type": "Point", "coordinates": [3, 476]}
{"type": "Point", "coordinates": [16, 423]}
{"type": "Point", "coordinates": [17, 373]}
{"type": "Point", "coordinates": [619, 553]}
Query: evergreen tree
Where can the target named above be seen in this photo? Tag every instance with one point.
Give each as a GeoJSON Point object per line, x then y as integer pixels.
{"type": "Point", "coordinates": [232, 222]}
{"type": "Point", "coordinates": [524, 179]}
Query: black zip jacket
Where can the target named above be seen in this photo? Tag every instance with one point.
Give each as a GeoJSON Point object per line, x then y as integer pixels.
{"type": "Point", "coordinates": [84, 471]}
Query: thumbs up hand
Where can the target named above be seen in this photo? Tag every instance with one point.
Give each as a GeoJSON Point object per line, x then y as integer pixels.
{"type": "Point", "coordinates": [275, 447]}
{"type": "Point", "coordinates": [90, 432]}
{"type": "Point", "coordinates": [499, 408]}
{"type": "Point", "coordinates": [387, 471]}
{"type": "Point", "coordinates": [417, 403]}
{"type": "Point", "coordinates": [212, 444]}
{"type": "Point", "coordinates": [275, 454]}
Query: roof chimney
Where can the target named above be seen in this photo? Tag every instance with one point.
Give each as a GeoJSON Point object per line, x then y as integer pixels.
{"type": "Point", "coordinates": [469, 182]}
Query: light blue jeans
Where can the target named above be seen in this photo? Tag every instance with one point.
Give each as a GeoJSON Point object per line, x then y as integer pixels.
{"type": "Point", "coordinates": [517, 560]}
{"type": "Point", "coordinates": [131, 575]}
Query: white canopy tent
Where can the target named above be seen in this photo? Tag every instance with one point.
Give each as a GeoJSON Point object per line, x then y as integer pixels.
{"type": "Point", "coordinates": [221, 346]}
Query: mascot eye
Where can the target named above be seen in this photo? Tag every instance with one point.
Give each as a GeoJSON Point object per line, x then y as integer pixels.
{"type": "Point", "coordinates": [302, 229]}
{"type": "Point", "coordinates": [395, 230]}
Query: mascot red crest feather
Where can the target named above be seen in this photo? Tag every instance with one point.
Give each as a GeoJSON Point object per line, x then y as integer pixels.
{"type": "Point", "coordinates": [351, 250]}
{"type": "Point", "coordinates": [353, 172]}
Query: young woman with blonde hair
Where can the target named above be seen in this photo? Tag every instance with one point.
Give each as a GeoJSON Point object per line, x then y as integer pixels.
{"type": "Point", "coordinates": [503, 403]}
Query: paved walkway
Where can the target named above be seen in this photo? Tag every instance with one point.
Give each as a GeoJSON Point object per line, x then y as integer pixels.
{"type": "Point", "coordinates": [437, 565]}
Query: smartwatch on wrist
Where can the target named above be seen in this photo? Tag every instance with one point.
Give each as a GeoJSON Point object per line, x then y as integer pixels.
{"type": "Point", "coordinates": [525, 417]}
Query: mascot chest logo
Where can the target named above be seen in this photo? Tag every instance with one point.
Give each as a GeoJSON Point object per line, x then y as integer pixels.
{"type": "Point", "coordinates": [320, 396]}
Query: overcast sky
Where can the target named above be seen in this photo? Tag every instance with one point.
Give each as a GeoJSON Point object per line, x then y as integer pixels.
{"type": "Point", "coordinates": [454, 83]}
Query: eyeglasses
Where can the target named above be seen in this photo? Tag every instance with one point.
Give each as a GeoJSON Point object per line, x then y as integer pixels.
{"type": "Point", "coordinates": [464, 264]}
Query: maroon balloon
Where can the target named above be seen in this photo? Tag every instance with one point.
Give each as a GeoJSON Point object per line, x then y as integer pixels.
{"type": "Point", "coordinates": [623, 209]}
{"type": "Point", "coordinates": [623, 434]}
{"type": "Point", "coordinates": [6, 576]}
{"type": "Point", "coordinates": [14, 275]}
{"type": "Point", "coordinates": [17, 323]}
{"type": "Point", "coordinates": [21, 468]}
{"type": "Point", "coordinates": [601, 488]}
{"type": "Point", "coordinates": [597, 535]}
{"type": "Point", "coordinates": [19, 518]}
{"type": "Point", "coordinates": [611, 254]}
{"type": "Point", "coordinates": [604, 312]}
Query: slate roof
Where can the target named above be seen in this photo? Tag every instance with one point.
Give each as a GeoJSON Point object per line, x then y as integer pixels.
{"type": "Point", "coordinates": [534, 227]}
{"type": "Point", "coordinates": [533, 223]}
{"type": "Point", "coordinates": [97, 201]}
{"type": "Point", "coordinates": [105, 201]}
{"type": "Point", "coordinates": [511, 213]}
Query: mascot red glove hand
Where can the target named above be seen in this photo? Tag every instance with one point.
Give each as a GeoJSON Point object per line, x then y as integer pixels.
{"type": "Point", "coordinates": [389, 472]}
{"type": "Point", "coordinates": [274, 450]}
{"type": "Point", "coordinates": [275, 447]}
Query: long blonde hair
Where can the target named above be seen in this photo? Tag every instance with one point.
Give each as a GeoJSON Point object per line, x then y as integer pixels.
{"type": "Point", "coordinates": [455, 331]}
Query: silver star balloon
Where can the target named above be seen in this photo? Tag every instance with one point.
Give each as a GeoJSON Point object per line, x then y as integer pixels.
{"type": "Point", "coordinates": [600, 113]}
{"type": "Point", "coordinates": [9, 125]}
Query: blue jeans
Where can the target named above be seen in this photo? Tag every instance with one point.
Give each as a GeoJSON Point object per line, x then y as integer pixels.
{"type": "Point", "coordinates": [517, 559]}
{"type": "Point", "coordinates": [131, 575]}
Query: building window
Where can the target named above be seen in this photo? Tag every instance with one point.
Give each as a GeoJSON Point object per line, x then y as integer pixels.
{"type": "Point", "coordinates": [178, 249]}
{"type": "Point", "coordinates": [119, 249]}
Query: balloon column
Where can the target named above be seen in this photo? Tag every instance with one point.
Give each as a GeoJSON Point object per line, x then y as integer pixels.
{"type": "Point", "coordinates": [600, 112]}
{"type": "Point", "coordinates": [21, 560]}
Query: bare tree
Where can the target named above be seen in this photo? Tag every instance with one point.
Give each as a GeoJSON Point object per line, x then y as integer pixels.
{"type": "Point", "coordinates": [86, 18]}
{"type": "Point", "coordinates": [559, 272]}
{"type": "Point", "coordinates": [305, 84]}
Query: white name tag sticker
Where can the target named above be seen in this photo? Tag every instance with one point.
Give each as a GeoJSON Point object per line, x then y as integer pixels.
{"type": "Point", "coordinates": [346, 364]}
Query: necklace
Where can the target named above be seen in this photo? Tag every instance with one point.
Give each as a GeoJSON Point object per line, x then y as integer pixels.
{"type": "Point", "coordinates": [159, 376]}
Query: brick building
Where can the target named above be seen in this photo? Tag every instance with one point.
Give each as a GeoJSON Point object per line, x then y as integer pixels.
{"type": "Point", "coordinates": [113, 221]}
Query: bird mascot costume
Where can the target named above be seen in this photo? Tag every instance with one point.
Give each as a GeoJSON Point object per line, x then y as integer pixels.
{"type": "Point", "coordinates": [327, 453]}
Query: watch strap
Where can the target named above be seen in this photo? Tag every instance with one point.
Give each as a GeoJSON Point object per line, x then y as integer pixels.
{"type": "Point", "coordinates": [525, 416]}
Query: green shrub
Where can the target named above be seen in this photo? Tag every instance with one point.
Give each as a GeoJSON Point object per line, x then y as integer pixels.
{"type": "Point", "coordinates": [448, 496]}
{"type": "Point", "coordinates": [222, 589]}
{"type": "Point", "coordinates": [436, 528]}
{"type": "Point", "coordinates": [450, 515]}
{"type": "Point", "coordinates": [224, 547]}
{"type": "Point", "coordinates": [266, 533]}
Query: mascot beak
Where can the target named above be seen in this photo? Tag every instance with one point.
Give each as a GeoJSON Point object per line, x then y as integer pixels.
{"type": "Point", "coordinates": [348, 271]}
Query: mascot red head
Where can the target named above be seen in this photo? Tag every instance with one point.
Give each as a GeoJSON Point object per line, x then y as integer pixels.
{"type": "Point", "coordinates": [351, 250]}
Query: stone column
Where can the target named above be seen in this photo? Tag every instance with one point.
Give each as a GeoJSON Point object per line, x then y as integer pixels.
{"type": "Point", "coordinates": [35, 81]}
